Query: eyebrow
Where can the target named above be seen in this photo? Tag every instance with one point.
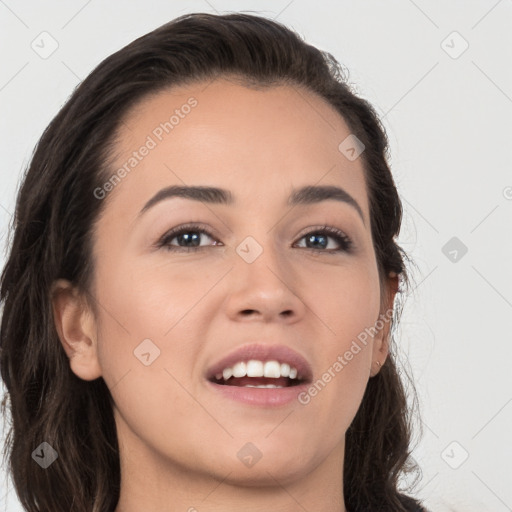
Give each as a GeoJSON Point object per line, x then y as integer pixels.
{"type": "Point", "coordinates": [309, 194]}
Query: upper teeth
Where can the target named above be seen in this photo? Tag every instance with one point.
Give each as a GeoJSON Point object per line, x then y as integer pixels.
{"type": "Point", "coordinates": [254, 368]}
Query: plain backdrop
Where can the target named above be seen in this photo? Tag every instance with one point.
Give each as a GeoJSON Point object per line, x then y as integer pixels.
{"type": "Point", "coordinates": [439, 74]}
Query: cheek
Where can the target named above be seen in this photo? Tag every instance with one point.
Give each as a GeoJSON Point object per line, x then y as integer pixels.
{"type": "Point", "coordinates": [147, 347]}
{"type": "Point", "coordinates": [346, 299]}
{"type": "Point", "coordinates": [150, 300]}
{"type": "Point", "coordinates": [152, 322]}
{"type": "Point", "coordinates": [347, 306]}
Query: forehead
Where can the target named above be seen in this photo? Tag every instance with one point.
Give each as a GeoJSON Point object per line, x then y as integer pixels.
{"type": "Point", "coordinates": [257, 142]}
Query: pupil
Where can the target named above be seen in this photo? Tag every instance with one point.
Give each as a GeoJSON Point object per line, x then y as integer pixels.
{"type": "Point", "coordinates": [313, 237]}
{"type": "Point", "coordinates": [187, 238]}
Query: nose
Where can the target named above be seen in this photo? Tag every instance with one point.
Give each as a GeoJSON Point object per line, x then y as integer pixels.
{"type": "Point", "coordinates": [264, 290]}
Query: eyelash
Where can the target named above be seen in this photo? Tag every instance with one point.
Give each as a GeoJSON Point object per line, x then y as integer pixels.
{"type": "Point", "coordinates": [346, 244]}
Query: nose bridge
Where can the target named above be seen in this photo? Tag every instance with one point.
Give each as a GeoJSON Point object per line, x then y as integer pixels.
{"type": "Point", "coordinates": [263, 279]}
{"type": "Point", "coordinates": [255, 247]}
{"type": "Point", "coordinates": [262, 255]}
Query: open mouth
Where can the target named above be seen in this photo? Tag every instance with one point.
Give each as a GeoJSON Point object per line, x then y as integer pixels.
{"type": "Point", "coordinates": [258, 374]}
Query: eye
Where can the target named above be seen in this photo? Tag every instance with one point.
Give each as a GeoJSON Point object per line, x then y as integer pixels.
{"type": "Point", "coordinates": [188, 238]}
{"type": "Point", "coordinates": [319, 240]}
{"type": "Point", "coordinates": [189, 235]}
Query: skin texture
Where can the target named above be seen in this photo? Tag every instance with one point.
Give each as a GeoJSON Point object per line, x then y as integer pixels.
{"type": "Point", "coordinates": [178, 439]}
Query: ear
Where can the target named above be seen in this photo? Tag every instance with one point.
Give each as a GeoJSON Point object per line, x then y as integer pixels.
{"type": "Point", "coordinates": [76, 328]}
{"type": "Point", "coordinates": [383, 325]}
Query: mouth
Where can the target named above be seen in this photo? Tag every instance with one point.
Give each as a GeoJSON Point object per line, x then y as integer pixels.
{"type": "Point", "coordinates": [255, 373]}
{"type": "Point", "coordinates": [261, 375]}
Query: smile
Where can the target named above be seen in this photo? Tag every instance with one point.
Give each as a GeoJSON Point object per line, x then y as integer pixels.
{"type": "Point", "coordinates": [259, 374]}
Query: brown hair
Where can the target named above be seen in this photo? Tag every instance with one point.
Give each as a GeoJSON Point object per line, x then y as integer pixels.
{"type": "Point", "coordinates": [55, 215]}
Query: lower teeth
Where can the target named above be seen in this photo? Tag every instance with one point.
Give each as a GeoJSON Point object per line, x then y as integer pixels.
{"type": "Point", "coordinates": [262, 386]}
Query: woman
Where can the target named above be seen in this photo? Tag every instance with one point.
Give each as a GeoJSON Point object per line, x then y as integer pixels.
{"type": "Point", "coordinates": [200, 291]}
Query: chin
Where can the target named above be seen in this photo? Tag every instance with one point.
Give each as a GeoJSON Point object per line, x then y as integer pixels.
{"type": "Point", "coordinates": [265, 474]}
{"type": "Point", "coordinates": [263, 461]}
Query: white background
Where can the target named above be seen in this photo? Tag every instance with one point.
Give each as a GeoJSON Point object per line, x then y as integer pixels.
{"type": "Point", "coordinates": [448, 120]}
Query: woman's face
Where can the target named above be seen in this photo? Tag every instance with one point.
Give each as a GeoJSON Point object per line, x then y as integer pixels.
{"type": "Point", "coordinates": [172, 308]}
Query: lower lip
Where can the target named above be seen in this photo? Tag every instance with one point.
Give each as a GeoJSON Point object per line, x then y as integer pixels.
{"type": "Point", "coordinates": [266, 397]}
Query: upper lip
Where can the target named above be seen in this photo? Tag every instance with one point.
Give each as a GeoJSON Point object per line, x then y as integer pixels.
{"type": "Point", "coordinates": [262, 352]}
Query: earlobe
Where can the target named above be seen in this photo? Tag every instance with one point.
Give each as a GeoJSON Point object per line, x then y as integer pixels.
{"type": "Point", "coordinates": [383, 325]}
{"type": "Point", "coordinates": [380, 351]}
{"type": "Point", "coordinates": [75, 327]}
